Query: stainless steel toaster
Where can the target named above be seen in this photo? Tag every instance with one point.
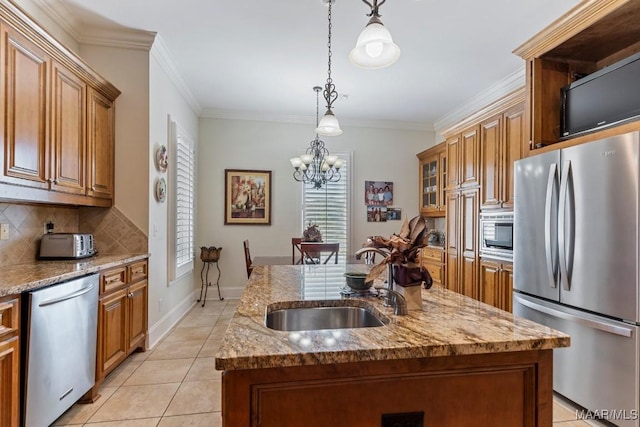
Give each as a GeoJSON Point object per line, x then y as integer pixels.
{"type": "Point", "coordinates": [66, 246]}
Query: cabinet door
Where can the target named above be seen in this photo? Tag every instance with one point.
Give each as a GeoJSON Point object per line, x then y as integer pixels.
{"type": "Point", "coordinates": [137, 307]}
{"type": "Point", "coordinates": [453, 161]}
{"type": "Point", "coordinates": [506, 287]}
{"type": "Point", "coordinates": [442, 181]}
{"type": "Point", "coordinates": [513, 140]}
{"type": "Point", "coordinates": [23, 112]}
{"type": "Point", "coordinates": [470, 157]}
{"type": "Point", "coordinates": [9, 382]}
{"type": "Point", "coordinates": [452, 268]}
{"type": "Point", "coordinates": [112, 331]}
{"type": "Point", "coordinates": [490, 139]}
{"type": "Point", "coordinates": [489, 282]}
{"type": "Point", "coordinates": [469, 243]}
{"type": "Point", "coordinates": [544, 79]}
{"type": "Point", "coordinates": [68, 131]}
{"type": "Point", "coordinates": [101, 146]}
{"type": "Point", "coordinates": [429, 184]}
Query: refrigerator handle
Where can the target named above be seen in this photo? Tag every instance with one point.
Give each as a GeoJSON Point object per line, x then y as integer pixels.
{"type": "Point", "coordinates": [551, 263]}
{"type": "Point", "coordinates": [562, 229]}
{"type": "Point", "coordinates": [591, 323]}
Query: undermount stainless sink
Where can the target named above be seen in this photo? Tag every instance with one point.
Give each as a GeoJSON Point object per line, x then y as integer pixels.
{"type": "Point", "coordinates": [314, 318]}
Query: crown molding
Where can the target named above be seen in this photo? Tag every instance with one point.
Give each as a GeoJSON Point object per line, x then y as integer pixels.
{"type": "Point", "coordinates": [504, 87]}
{"type": "Point", "coordinates": [212, 113]}
{"type": "Point", "coordinates": [161, 53]}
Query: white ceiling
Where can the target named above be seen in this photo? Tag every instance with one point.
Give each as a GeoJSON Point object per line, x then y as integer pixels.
{"type": "Point", "coordinates": [263, 57]}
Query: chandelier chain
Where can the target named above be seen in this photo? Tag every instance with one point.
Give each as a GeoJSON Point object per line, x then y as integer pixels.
{"type": "Point", "coordinates": [329, 93]}
{"type": "Point", "coordinates": [329, 44]}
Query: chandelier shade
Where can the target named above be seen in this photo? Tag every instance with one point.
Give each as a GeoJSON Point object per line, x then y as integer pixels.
{"type": "Point", "coordinates": [375, 47]}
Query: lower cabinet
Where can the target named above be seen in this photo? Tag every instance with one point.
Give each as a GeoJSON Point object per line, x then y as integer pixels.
{"type": "Point", "coordinates": [122, 317]}
{"type": "Point", "coordinates": [9, 361]}
{"type": "Point", "coordinates": [496, 284]}
{"type": "Point", "coordinates": [433, 260]}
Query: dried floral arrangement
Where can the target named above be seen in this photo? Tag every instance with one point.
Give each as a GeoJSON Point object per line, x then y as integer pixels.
{"type": "Point", "coordinates": [403, 252]}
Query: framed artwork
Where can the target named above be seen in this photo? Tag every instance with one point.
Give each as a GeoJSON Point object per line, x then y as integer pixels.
{"type": "Point", "coordinates": [394, 214]}
{"type": "Point", "coordinates": [378, 193]}
{"type": "Point", "coordinates": [376, 213]}
{"type": "Point", "coordinates": [247, 197]}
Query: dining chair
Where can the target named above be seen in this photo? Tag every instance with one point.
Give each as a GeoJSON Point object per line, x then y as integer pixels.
{"type": "Point", "coordinates": [296, 251]}
{"type": "Point", "coordinates": [247, 258]}
{"type": "Point", "coordinates": [311, 251]}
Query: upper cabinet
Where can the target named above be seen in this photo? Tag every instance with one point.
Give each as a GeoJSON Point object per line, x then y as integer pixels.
{"type": "Point", "coordinates": [501, 138]}
{"type": "Point", "coordinates": [432, 179]}
{"type": "Point", "coordinates": [463, 150]}
{"type": "Point", "coordinates": [591, 36]}
{"type": "Point", "coordinates": [56, 120]}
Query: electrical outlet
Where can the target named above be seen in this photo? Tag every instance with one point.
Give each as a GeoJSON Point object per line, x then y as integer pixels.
{"type": "Point", "coordinates": [48, 227]}
{"type": "Point", "coordinates": [160, 305]}
{"type": "Point", "coordinates": [4, 231]}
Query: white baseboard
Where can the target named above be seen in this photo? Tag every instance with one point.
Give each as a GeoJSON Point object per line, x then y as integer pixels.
{"type": "Point", "coordinates": [169, 320]}
{"type": "Point", "coordinates": [227, 293]}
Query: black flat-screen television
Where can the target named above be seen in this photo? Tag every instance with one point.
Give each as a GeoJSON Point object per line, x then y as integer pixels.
{"type": "Point", "coordinates": [606, 98]}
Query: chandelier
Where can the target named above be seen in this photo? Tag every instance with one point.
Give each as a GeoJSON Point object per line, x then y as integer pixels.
{"type": "Point", "coordinates": [316, 166]}
{"type": "Point", "coordinates": [328, 125]}
{"type": "Point", "coordinates": [375, 47]}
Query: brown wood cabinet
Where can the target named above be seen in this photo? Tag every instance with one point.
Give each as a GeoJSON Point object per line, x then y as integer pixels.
{"type": "Point", "coordinates": [122, 317]}
{"type": "Point", "coordinates": [56, 120]}
{"type": "Point", "coordinates": [433, 259]}
{"type": "Point", "coordinates": [432, 180]}
{"type": "Point", "coordinates": [496, 284]}
{"type": "Point", "coordinates": [589, 37]}
{"type": "Point", "coordinates": [10, 361]}
{"type": "Point", "coordinates": [448, 391]}
{"type": "Point", "coordinates": [481, 151]}
{"type": "Point", "coordinates": [501, 145]}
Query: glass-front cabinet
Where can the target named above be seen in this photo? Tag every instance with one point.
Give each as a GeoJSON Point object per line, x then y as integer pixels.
{"type": "Point", "coordinates": [432, 179]}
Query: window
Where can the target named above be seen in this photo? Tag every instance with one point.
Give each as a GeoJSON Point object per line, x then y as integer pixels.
{"type": "Point", "coordinates": [328, 208]}
{"type": "Point", "coordinates": [181, 222]}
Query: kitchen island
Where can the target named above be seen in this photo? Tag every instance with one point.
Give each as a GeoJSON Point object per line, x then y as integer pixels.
{"type": "Point", "coordinates": [456, 362]}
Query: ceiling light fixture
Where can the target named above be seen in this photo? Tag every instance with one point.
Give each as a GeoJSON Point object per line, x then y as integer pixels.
{"type": "Point", "coordinates": [329, 125]}
{"type": "Point", "coordinates": [375, 47]}
{"type": "Point", "coordinates": [317, 166]}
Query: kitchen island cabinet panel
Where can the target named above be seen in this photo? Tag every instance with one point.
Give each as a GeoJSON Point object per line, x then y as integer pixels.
{"type": "Point", "coordinates": [517, 384]}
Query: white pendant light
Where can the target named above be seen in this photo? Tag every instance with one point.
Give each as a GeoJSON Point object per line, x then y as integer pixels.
{"type": "Point", "coordinates": [328, 125]}
{"type": "Point", "coordinates": [375, 47]}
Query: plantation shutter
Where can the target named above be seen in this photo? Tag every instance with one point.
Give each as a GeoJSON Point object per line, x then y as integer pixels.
{"type": "Point", "coordinates": [328, 208]}
{"type": "Point", "coordinates": [185, 168]}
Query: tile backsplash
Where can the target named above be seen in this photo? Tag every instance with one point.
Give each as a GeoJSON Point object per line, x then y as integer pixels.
{"type": "Point", "coordinates": [114, 233]}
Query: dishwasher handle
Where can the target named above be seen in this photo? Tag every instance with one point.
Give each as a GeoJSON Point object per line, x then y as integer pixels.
{"type": "Point", "coordinates": [66, 297]}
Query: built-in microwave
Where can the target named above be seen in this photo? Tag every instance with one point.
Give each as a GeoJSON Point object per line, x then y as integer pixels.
{"type": "Point", "coordinates": [496, 235]}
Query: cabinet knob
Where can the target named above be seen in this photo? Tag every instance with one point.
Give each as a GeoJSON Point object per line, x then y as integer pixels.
{"type": "Point", "coordinates": [93, 188]}
{"type": "Point", "coordinates": [130, 294]}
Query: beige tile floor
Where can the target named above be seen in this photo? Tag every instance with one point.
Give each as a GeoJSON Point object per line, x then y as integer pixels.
{"type": "Point", "coordinates": [176, 383]}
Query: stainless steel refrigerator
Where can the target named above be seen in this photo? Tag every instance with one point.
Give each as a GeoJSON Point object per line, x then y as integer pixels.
{"type": "Point", "coordinates": [576, 269]}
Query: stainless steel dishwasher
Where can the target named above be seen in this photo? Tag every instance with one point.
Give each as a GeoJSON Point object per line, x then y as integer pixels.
{"type": "Point", "coordinates": [60, 349]}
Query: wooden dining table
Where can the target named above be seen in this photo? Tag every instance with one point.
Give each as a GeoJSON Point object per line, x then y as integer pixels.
{"type": "Point", "coordinates": [286, 260]}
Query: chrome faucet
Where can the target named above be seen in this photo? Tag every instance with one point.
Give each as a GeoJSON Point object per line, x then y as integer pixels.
{"type": "Point", "coordinates": [398, 302]}
{"type": "Point", "coordinates": [393, 298]}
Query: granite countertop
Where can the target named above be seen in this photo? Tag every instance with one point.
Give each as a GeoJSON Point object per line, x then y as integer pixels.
{"type": "Point", "coordinates": [449, 324]}
{"type": "Point", "coordinates": [18, 278]}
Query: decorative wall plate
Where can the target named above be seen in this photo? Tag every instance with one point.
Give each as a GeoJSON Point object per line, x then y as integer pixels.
{"type": "Point", "coordinates": [161, 190]}
{"type": "Point", "coordinates": [162, 158]}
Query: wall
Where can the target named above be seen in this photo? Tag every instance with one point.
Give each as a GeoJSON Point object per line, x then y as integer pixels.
{"type": "Point", "coordinates": [378, 155]}
{"type": "Point", "coordinates": [167, 301]}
